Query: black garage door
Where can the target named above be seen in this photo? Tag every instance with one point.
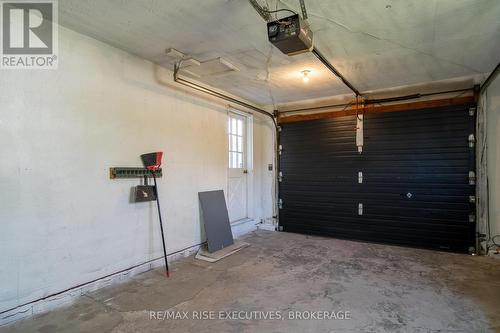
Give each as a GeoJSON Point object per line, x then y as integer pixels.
{"type": "Point", "coordinates": [415, 188]}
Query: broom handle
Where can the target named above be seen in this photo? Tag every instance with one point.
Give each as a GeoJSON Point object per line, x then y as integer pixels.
{"type": "Point", "coordinates": [161, 224]}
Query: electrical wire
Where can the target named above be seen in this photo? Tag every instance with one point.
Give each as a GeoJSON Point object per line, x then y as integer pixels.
{"type": "Point", "coordinates": [347, 105]}
{"type": "Point", "coordinates": [279, 10]}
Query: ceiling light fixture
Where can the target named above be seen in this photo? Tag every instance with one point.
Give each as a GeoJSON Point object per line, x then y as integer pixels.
{"type": "Point", "coordinates": [305, 75]}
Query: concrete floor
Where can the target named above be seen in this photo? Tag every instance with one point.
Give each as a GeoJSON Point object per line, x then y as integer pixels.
{"type": "Point", "coordinates": [385, 289]}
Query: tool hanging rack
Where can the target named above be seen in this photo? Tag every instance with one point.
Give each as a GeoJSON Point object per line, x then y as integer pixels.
{"type": "Point", "coordinates": [131, 172]}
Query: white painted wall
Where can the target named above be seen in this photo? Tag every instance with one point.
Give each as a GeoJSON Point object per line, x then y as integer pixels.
{"type": "Point", "coordinates": [492, 102]}
{"type": "Point", "coordinates": [63, 222]}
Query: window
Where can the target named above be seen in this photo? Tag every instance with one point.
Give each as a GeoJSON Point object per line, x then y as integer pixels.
{"type": "Point", "coordinates": [236, 142]}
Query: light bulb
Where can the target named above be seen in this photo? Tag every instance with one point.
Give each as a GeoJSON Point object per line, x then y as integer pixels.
{"type": "Point", "coordinates": [305, 76]}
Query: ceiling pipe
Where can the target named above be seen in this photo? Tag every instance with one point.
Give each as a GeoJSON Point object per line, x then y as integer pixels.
{"type": "Point", "coordinates": [219, 95]}
{"type": "Point", "coordinates": [328, 65]}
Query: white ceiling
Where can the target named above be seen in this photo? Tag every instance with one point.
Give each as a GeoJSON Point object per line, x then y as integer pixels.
{"type": "Point", "coordinates": [376, 44]}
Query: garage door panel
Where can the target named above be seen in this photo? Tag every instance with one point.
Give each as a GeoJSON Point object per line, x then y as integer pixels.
{"type": "Point", "coordinates": [416, 133]}
{"type": "Point", "coordinates": [346, 218]}
{"type": "Point", "coordinates": [428, 149]}
{"type": "Point", "coordinates": [450, 179]}
{"type": "Point", "coordinates": [447, 115]}
{"type": "Point", "coordinates": [314, 163]}
{"type": "Point", "coordinates": [438, 231]}
{"type": "Point", "coordinates": [383, 213]}
{"type": "Point", "coordinates": [393, 162]}
{"type": "Point", "coordinates": [387, 205]}
{"type": "Point", "coordinates": [418, 187]}
{"type": "Point", "coordinates": [347, 222]}
{"type": "Point", "coordinates": [389, 193]}
{"type": "Point", "coordinates": [459, 157]}
{"type": "Point", "coordinates": [332, 148]}
{"type": "Point", "coordinates": [423, 213]}
{"type": "Point", "coordinates": [447, 119]}
{"type": "Point", "coordinates": [415, 188]}
{"type": "Point", "coordinates": [427, 144]}
{"type": "Point", "coordinates": [410, 171]}
{"type": "Point", "coordinates": [429, 240]}
{"type": "Point", "coordinates": [459, 205]}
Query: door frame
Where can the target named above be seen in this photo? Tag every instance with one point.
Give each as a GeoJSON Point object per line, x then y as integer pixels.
{"type": "Point", "coordinates": [249, 161]}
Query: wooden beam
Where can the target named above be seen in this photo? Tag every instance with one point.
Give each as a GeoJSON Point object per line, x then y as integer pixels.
{"type": "Point", "coordinates": [477, 93]}
{"type": "Point", "coordinates": [382, 108]}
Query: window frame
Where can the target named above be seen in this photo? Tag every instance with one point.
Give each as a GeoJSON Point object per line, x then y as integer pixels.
{"type": "Point", "coordinates": [236, 135]}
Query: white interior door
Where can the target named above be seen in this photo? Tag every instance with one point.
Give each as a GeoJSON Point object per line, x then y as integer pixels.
{"type": "Point", "coordinates": [237, 194]}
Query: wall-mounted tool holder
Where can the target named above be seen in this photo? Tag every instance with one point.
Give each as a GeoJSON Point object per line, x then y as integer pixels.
{"type": "Point", "coordinates": [127, 172]}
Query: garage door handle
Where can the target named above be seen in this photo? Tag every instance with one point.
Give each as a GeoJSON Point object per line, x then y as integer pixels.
{"type": "Point", "coordinates": [408, 195]}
